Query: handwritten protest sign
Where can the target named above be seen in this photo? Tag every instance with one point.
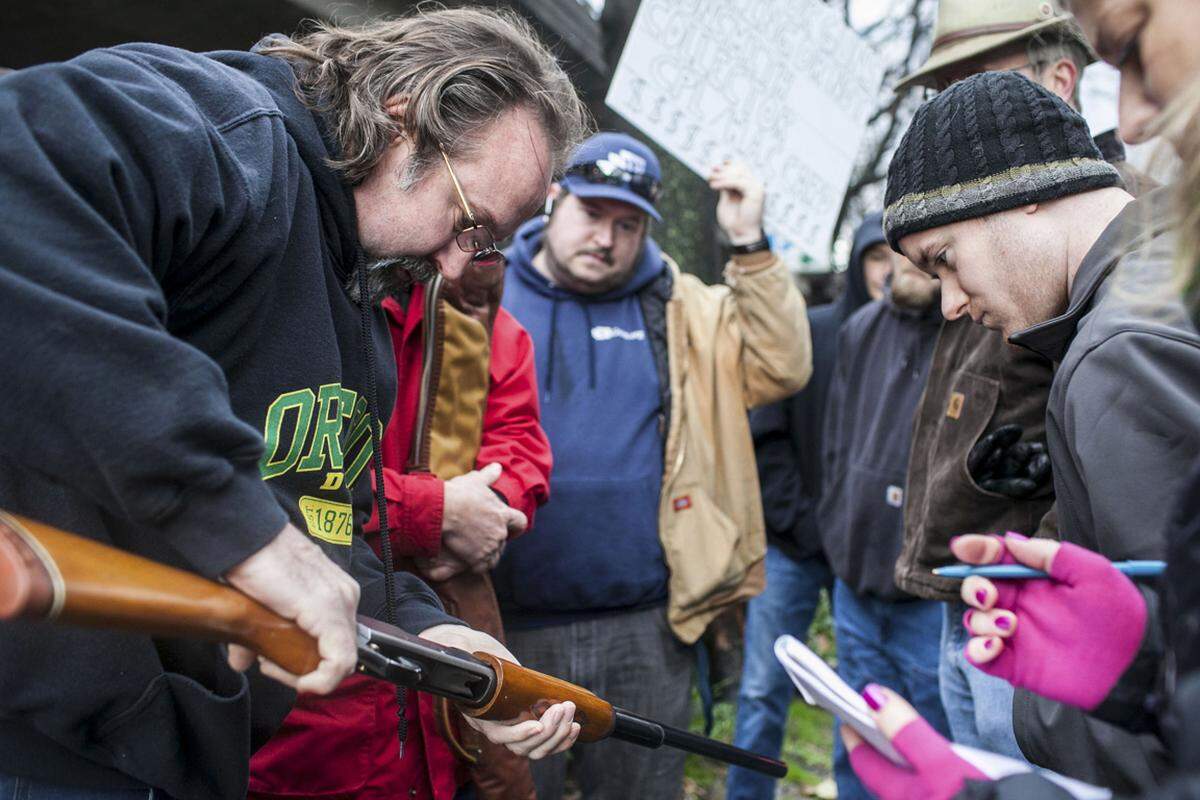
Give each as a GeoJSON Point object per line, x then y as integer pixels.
{"type": "Point", "coordinates": [782, 84]}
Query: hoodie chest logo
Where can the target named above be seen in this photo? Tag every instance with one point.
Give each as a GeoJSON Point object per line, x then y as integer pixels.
{"type": "Point", "coordinates": [604, 333]}
{"type": "Point", "coordinates": [894, 496]}
{"type": "Point", "coordinates": [327, 433]}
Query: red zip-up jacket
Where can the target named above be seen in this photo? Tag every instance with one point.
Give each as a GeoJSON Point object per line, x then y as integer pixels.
{"type": "Point", "coordinates": [345, 744]}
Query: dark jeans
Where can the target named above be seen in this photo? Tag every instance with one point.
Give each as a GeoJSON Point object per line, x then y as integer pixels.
{"type": "Point", "coordinates": [895, 645]}
{"type": "Point", "coordinates": [633, 661]}
{"type": "Point", "coordinates": [786, 605]}
{"type": "Point", "coordinates": [13, 788]}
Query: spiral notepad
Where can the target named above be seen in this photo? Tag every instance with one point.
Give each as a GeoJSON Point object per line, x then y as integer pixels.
{"type": "Point", "coordinates": [820, 686]}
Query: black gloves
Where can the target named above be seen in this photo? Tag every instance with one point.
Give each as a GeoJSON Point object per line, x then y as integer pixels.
{"type": "Point", "coordinates": [1001, 463]}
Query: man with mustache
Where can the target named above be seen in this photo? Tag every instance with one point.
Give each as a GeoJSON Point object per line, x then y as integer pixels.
{"type": "Point", "coordinates": [654, 524]}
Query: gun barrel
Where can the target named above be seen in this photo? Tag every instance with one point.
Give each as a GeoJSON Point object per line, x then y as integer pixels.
{"type": "Point", "coordinates": [639, 730]}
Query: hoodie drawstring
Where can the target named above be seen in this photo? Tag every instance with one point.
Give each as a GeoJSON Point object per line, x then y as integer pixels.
{"type": "Point", "coordinates": [385, 539]}
{"type": "Point", "coordinates": [587, 316]}
{"type": "Point", "coordinates": [549, 385]}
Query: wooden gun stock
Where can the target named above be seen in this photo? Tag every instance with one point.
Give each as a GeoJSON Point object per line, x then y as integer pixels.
{"type": "Point", "coordinates": [520, 690]}
{"type": "Point", "coordinates": [49, 574]}
{"type": "Point", "coordinates": [46, 573]}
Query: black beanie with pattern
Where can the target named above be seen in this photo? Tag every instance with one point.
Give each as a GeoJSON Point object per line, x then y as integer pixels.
{"type": "Point", "coordinates": [989, 143]}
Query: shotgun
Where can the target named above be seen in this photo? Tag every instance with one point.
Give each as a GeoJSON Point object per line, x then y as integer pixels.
{"type": "Point", "coordinates": [52, 575]}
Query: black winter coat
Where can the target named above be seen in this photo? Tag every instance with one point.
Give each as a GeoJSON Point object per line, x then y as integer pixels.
{"type": "Point", "coordinates": [173, 257]}
{"type": "Point", "coordinates": [787, 434]}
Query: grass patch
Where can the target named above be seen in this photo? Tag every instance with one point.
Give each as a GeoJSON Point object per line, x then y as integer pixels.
{"type": "Point", "coordinates": [807, 742]}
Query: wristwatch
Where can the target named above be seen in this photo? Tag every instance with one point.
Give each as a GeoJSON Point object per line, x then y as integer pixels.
{"type": "Point", "coordinates": [753, 247]}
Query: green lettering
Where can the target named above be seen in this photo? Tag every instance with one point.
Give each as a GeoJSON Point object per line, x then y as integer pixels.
{"type": "Point", "coordinates": [334, 403]}
{"type": "Point", "coordinates": [302, 401]}
{"type": "Point", "coordinates": [358, 437]}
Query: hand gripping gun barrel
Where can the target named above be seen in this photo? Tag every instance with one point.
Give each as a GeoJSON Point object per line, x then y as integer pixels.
{"type": "Point", "coordinates": [48, 574]}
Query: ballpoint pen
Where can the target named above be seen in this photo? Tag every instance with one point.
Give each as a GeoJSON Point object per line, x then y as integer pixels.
{"type": "Point", "coordinates": [1132, 569]}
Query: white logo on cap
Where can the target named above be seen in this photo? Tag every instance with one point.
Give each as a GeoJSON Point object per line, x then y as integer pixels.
{"type": "Point", "coordinates": [623, 160]}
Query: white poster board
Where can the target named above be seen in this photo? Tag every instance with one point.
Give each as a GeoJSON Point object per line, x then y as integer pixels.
{"type": "Point", "coordinates": [781, 84]}
{"type": "Point", "coordinates": [1099, 92]}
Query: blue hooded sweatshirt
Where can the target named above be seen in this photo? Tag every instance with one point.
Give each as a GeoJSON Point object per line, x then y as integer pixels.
{"type": "Point", "coordinates": [595, 547]}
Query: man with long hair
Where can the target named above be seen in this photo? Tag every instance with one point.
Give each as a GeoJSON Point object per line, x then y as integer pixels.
{"type": "Point", "coordinates": [185, 247]}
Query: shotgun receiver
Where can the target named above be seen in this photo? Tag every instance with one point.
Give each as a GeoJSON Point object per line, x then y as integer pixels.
{"type": "Point", "coordinates": [48, 574]}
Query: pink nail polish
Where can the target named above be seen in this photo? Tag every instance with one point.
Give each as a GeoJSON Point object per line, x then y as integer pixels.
{"type": "Point", "coordinates": [875, 698]}
{"type": "Point", "coordinates": [1004, 623]}
{"type": "Point", "coordinates": [1014, 535]}
{"type": "Point", "coordinates": [988, 643]}
{"type": "Point", "coordinates": [981, 596]}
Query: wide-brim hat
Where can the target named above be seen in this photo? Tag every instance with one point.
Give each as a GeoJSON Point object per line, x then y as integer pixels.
{"type": "Point", "coordinates": [967, 29]}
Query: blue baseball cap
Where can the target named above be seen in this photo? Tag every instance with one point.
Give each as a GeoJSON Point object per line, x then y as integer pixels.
{"type": "Point", "coordinates": [615, 166]}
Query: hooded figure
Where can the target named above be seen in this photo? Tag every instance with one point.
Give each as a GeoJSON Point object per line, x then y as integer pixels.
{"type": "Point", "coordinates": [787, 449]}
{"type": "Point", "coordinates": [787, 434]}
{"type": "Point", "coordinates": [645, 374]}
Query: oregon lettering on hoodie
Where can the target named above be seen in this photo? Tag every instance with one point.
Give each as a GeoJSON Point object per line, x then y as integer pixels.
{"type": "Point", "coordinates": [326, 430]}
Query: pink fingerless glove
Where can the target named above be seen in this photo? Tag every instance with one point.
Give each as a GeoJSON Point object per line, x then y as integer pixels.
{"type": "Point", "coordinates": [934, 771]}
{"type": "Point", "coordinates": [1076, 633]}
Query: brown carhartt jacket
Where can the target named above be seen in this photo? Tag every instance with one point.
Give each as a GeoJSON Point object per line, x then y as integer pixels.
{"type": "Point", "coordinates": [977, 383]}
{"type": "Point", "coordinates": [731, 347]}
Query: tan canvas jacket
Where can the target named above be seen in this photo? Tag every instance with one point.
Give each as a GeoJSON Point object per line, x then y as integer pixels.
{"type": "Point", "coordinates": [731, 347]}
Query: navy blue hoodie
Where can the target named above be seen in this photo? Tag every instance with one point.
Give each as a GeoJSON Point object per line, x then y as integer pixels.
{"type": "Point", "coordinates": [883, 359]}
{"type": "Point", "coordinates": [595, 547]}
{"type": "Point", "coordinates": [173, 252]}
{"type": "Point", "coordinates": [787, 434]}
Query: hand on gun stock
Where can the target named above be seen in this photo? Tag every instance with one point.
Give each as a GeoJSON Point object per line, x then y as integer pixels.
{"type": "Point", "coordinates": [293, 578]}
{"type": "Point", "coordinates": [301, 624]}
{"type": "Point", "coordinates": [553, 732]}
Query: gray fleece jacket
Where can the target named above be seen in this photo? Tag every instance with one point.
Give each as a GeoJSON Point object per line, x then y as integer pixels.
{"type": "Point", "coordinates": [1123, 430]}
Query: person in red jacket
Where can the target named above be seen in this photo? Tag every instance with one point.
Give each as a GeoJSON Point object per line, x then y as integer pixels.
{"type": "Point", "coordinates": [466, 463]}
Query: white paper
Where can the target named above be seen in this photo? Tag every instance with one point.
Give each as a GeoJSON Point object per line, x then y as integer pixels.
{"type": "Point", "coordinates": [819, 685]}
{"type": "Point", "coordinates": [781, 84]}
{"type": "Point", "coordinates": [1098, 88]}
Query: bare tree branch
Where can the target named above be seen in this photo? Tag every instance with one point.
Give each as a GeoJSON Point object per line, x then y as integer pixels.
{"type": "Point", "coordinates": [891, 116]}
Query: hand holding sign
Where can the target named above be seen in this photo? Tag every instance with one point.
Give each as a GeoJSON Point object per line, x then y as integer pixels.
{"type": "Point", "coordinates": [740, 207]}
